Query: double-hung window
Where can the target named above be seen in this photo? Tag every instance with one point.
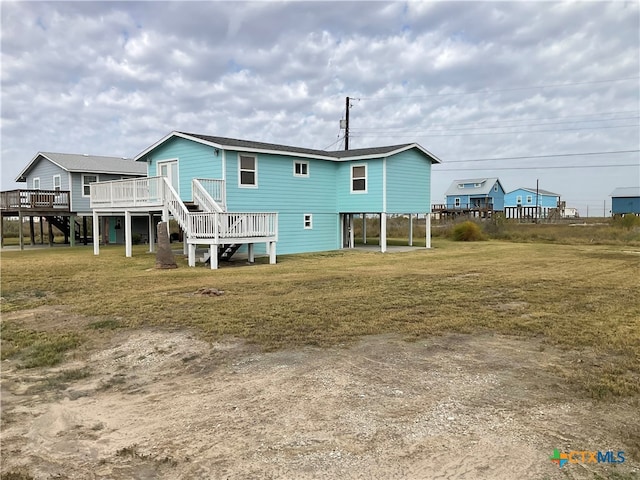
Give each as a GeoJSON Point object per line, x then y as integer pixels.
{"type": "Point", "coordinates": [57, 183]}
{"type": "Point", "coordinates": [87, 180]}
{"type": "Point", "coordinates": [308, 221]}
{"type": "Point", "coordinates": [247, 171]}
{"type": "Point", "coordinates": [36, 184]}
{"type": "Point", "coordinates": [359, 178]}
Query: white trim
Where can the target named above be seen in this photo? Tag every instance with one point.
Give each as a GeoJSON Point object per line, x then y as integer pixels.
{"type": "Point", "coordinates": [70, 191]}
{"type": "Point", "coordinates": [351, 178]}
{"type": "Point", "coordinates": [255, 170]}
{"type": "Point", "coordinates": [223, 156]}
{"type": "Point", "coordinates": [82, 182]}
{"type": "Point", "coordinates": [456, 202]}
{"type": "Point", "coordinates": [518, 200]}
{"type": "Point", "coordinates": [301, 162]}
{"type": "Point", "coordinates": [307, 218]}
{"type": "Point", "coordinates": [529, 199]}
{"type": "Point", "coordinates": [57, 175]}
{"type": "Point", "coordinates": [33, 183]}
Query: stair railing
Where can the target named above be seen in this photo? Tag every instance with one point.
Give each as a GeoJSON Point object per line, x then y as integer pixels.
{"type": "Point", "coordinates": [207, 193]}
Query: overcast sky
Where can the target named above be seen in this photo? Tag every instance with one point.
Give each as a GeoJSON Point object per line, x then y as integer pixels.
{"type": "Point", "coordinates": [467, 81]}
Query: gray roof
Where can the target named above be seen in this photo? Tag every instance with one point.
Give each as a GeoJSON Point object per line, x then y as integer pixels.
{"type": "Point", "coordinates": [72, 162]}
{"type": "Point", "coordinates": [540, 191]}
{"type": "Point", "coordinates": [486, 186]}
{"type": "Point", "coordinates": [234, 143]}
{"type": "Point", "coordinates": [626, 192]}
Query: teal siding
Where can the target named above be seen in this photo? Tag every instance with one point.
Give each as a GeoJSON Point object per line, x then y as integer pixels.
{"type": "Point", "coordinates": [195, 160]}
{"type": "Point", "coordinates": [291, 197]}
{"type": "Point", "coordinates": [408, 183]}
{"type": "Point", "coordinates": [360, 202]}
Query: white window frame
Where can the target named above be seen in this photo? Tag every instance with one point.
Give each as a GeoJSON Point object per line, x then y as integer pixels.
{"type": "Point", "coordinates": [529, 199]}
{"type": "Point", "coordinates": [84, 175]}
{"type": "Point", "coordinates": [365, 178]}
{"type": "Point", "coordinates": [302, 163]}
{"type": "Point", "coordinates": [58, 187]}
{"type": "Point", "coordinates": [255, 171]}
{"type": "Point", "coordinates": [456, 202]}
{"type": "Point", "coordinates": [307, 221]}
{"type": "Point", "coordinates": [519, 200]}
{"type": "Point", "coordinates": [36, 180]}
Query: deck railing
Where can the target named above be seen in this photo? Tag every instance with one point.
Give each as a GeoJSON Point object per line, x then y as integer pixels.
{"type": "Point", "coordinates": [214, 188]}
{"type": "Point", "coordinates": [35, 200]}
{"type": "Point", "coordinates": [233, 225]}
{"type": "Point", "coordinates": [139, 192]}
{"type": "Point", "coordinates": [461, 206]}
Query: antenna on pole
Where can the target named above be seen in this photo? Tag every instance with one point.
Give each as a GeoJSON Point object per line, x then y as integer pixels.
{"type": "Point", "coordinates": [346, 125]}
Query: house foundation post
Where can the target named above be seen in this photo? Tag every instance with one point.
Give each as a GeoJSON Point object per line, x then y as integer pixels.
{"type": "Point", "coordinates": [1, 231]}
{"type": "Point", "coordinates": [250, 255]}
{"type": "Point", "coordinates": [95, 233]}
{"type": "Point", "coordinates": [32, 235]}
{"type": "Point", "coordinates": [20, 234]}
{"type": "Point", "coordinates": [50, 230]}
{"type": "Point", "coordinates": [213, 256]}
{"type": "Point", "coordinates": [352, 242]}
{"type": "Point", "coordinates": [383, 232]}
{"type": "Point", "coordinates": [41, 231]}
{"type": "Point", "coordinates": [427, 223]}
{"type": "Point", "coordinates": [192, 255]}
{"type": "Point", "coordinates": [364, 228]}
{"type": "Point", "coordinates": [72, 230]}
{"type": "Point", "coordinates": [152, 234]}
{"type": "Point", "coordinates": [271, 248]}
{"type": "Point", "coordinates": [411, 229]}
{"type": "Point", "coordinates": [84, 229]}
{"type": "Point", "coordinates": [128, 239]}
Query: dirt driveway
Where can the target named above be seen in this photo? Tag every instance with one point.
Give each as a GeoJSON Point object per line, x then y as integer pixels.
{"type": "Point", "coordinates": [163, 404]}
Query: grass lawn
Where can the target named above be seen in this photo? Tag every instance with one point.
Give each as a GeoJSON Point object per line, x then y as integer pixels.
{"type": "Point", "coordinates": [583, 297]}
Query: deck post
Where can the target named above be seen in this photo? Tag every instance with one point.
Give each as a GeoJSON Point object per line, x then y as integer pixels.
{"type": "Point", "coordinates": [72, 230]}
{"type": "Point", "coordinates": [185, 246]}
{"type": "Point", "coordinates": [213, 256]}
{"type": "Point", "coordinates": [95, 232]}
{"type": "Point", "coordinates": [128, 238]}
{"type": "Point", "coordinates": [383, 232]}
{"type": "Point", "coordinates": [427, 222]}
{"type": "Point", "coordinates": [192, 255]}
{"type": "Point", "coordinates": [250, 254]}
{"type": "Point", "coordinates": [352, 242]}
{"type": "Point", "coordinates": [411, 229]}
{"type": "Point", "coordinates": [271, 248]}
{"type": "Point", "coordinates": [152, 234]}
{"type": "Point", "coordinates": [84, 229]}
{"type": "Point", "coordinates": [364, 228]}
{"type": "Point", "coordinates": [32, 234]}
{"type": "Point", "coordinates": [1, 231]}
{"type": "Point", "coordinates": [20, 234]}
{"type": "Point", "coordinates": [41, 232]}
{"type": "Point", "coordinates": [50, 231]}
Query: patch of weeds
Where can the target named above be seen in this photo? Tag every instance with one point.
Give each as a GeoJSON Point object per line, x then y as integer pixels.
{"type": "Point", "coordinates": [108, 324]}
{"type": "Point", "coordinates": [16, 475]}
{"type": "Point", "coordinates": [35, 348]}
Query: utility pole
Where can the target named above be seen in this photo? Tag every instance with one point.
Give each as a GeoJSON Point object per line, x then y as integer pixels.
{"type": "Point", "coordinates": [346, 125]}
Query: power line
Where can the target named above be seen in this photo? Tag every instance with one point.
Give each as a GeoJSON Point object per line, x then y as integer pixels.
{"type": "Point", "coordinates": [501, 90]}
{"type": "Point", "coordinates": [616, 152]}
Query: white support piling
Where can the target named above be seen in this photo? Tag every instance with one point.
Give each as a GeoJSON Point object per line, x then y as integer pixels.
{"type": "Point", "coordinates": [96, 233]}
{"type": "Point", "coordinates": [250, 254]}
{"type": "Point", "coordinates": [383, 232]}
{"type": "Point", "coordinates": [128, 237]}
{"type": "Point", "coordinates": [427, 220]}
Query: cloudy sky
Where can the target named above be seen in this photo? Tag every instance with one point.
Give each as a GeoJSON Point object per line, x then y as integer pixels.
{"type": "Point", "coordinates": [525, 91]}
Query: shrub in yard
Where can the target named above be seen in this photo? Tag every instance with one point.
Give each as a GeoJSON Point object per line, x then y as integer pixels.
{"type": "Point", "coordinates": [627, 221]}
{"type": "Point", "coordinates": [467, 232]}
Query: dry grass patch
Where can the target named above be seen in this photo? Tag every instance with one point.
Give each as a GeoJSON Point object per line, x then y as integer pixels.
{"type": "Point", "coordinates": [578, 297]}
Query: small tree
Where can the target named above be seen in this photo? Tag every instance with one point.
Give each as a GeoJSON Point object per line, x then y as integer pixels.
{"type": "Point", "coordinates": [467, 232]}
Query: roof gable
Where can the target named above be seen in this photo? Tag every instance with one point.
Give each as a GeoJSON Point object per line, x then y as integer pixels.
{"type": "Point", "coordinates": [83, 163]}
{"type": "Point", "coordinates": [273, 148]}
{"type": "Point", "coordinates": [540, 191]}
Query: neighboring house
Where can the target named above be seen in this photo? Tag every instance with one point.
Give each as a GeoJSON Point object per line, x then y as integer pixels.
{"type": "Point", "coordinates": [58, 189]}
{"type": "Point", "coordinates": [528, 198]}
{"type": "Point", "coordinates": [476, 194]}
{"type": "Point", "coordinates": [569, 212]}
{"type": "Point", "coordinates": [303, 199]}
{"type": "Point", "coordinates": [625, 200]}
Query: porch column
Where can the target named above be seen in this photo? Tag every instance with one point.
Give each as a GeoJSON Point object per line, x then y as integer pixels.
{"type": "Point", "coordinates": [127, 233]}
{"type": "Point", "coordinates": [95, 233]}
{"type": "Point", "coordinates": [383, 232]}
{"type": "Point", "coordinates": [20, 234]}
{"type": "Point", "coordinates": [364, 228]}
{"type": "Point", "coordinates": [84, 229]}
{"type": "Point", "coordinates": [72, 230]}
{"type": "Point", "coordinates": [1, 231]}
{"type": "Point", "coordinates": [185, 246]}
{"type": "Point", "coordinates": [411, 229]}
{"type": "Point", "coordinates": [165, 216]}
{"type": "Point", "coordinates": [50, 229]}
{"type": "Point", "coordinates": [41, 231]}
{"type": "Point", "coordinates": [427, 223]}
{"type": "Point", "coordinates": [32, 235]}
{"type": "Point", "coordinates": [250, 254]}
{"type": "Point", "coordinates": [152, 234]}
{"type": "Point", "coordinates": [213, 256]}
{"type": "Point", "coordinates": [271, 248]}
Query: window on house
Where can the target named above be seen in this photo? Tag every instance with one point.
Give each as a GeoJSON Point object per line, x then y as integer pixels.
{"type": "Point", "coordinates": [495, 188]}
{"type": "Point", "coordinates": [57, 183]}
{"type": "Point", "coordinates": [308, 221]}
{"type": "Point", "coordinates": [477, 185]}
{"type": "Point", "coordinates": [457, 202]}
{"type": "Point", "coordinates": [36, 184]}
{"type": "Point", "coordinates": [248, 171]}
{"type": "Point", "coordinates": [529, 199]}
{"type": "Point", "coordinates": [359, 178]}
{"type": "Point", "coordinates": [300, 169]}
{"type": "Point", "coordinates": [87, 180]}
{"type": "Point", "coordinates": [519, 200]}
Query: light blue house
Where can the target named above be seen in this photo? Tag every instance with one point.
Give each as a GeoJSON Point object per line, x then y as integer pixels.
{"type": "Point", "coordinates": [625, 200]}
{"type": "Point", "coordinates": [475, 194]}
{"type": "Point", "coordinates": [229, 194]}
{"type": "Point", "coordinates": [58, 189]}
{"type": "Point", "coordinates": [526, 199]}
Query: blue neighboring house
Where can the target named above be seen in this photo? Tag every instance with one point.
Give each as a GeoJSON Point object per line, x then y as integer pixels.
{"type": "Point", "coordinates": [475, 194]}
{"type": "Point", "coordinates": [57, 187]}
{"type": "Point", "coordinates": [228, 193]}
{"type": "Point", "coordinates": [526, 197]}
{"type": "Point", "coordinates": [625, 200]}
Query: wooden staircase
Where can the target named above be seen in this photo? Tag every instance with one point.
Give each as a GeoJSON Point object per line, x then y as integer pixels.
{"type": "Point", "coordinates": [64, 225]}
